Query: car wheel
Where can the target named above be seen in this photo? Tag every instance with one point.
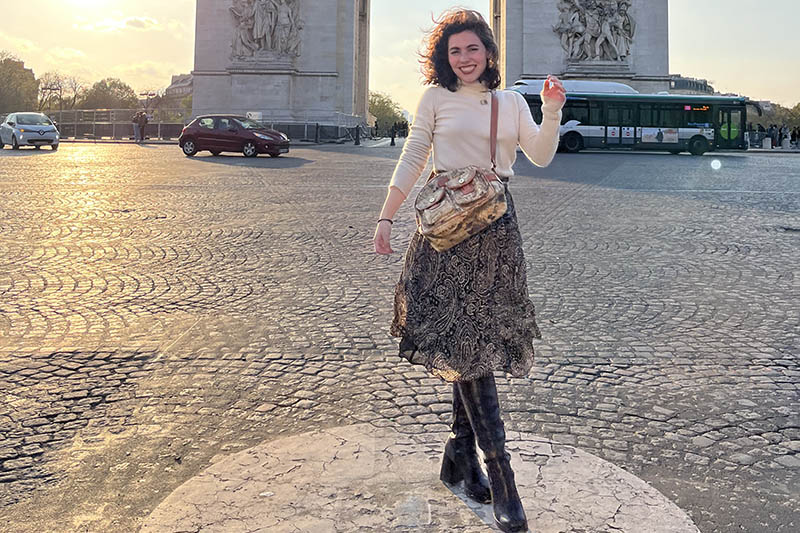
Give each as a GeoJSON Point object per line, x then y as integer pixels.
{"type": "Point", "coordinates": [249, 149]}
{"type": "Point", "coordinates": [215, 152]}
{"type": "Point", "coordinates": [54, 147]}
{"type": "Point", "coordinates": [189, 148]}
{"type": "Point", "coordinates": [14, 143]}
{"type": "Point", "coordinates": [573, 143]}
{"type": "Point", "coordinates": [698, 145]}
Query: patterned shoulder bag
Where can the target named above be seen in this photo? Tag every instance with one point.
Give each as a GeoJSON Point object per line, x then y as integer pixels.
{"type": "Point", "coordinates": [460, 203]}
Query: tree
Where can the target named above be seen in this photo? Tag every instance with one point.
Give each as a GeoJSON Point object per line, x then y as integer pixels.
{"type": "Point", "coordinates": [19, 89]}
{"type": "Point", "coordinates": [51, 91]}
{"type": "Point", "coordinates": [110, 93]}
{"type": "Point", "coordinates": [186, 102]}
{"type": "Point", "coordinates": [384, 109]}
{"type": "Point", "coordinates": [777, 114]}
{"type": "Point", "coordinates": [74, 88]}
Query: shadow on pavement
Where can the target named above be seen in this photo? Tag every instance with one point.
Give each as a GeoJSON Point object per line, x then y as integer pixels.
{"type": "Point", "coordinates": [261, 161]}
{"type": "Point", "coordinates": [380, 152]}
{"type": "Point", "coordinates": [730, 179]}
{"type": "Point", "coordinates": [25, 152]}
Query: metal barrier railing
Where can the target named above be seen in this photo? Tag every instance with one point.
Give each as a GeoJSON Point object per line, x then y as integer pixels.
{"type": "Point", "coordinates": [118, 123]}
{"type": "Point", "coordinates": [167, 124]}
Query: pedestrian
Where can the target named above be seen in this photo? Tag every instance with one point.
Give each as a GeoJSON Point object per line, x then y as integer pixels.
{"type": "Point", "coordinates": [135, 122]}
{"type": "Point", "coordinates": [464, 313]}
{"type": "Point", "coordinates": [143, 120]}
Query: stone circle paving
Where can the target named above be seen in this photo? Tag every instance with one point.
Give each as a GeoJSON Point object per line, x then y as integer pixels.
{"type": "Point", "coordinates": [160, 313]}
{"type": "Point", "coordinates": [363, 478]}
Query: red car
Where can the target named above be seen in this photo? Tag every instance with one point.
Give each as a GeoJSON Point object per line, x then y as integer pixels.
{"type": "Point", "coordinates": [231, 133]}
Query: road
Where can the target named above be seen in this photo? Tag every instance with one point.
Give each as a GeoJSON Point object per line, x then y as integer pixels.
{"type": "Point", "coordinates": [158, 312]}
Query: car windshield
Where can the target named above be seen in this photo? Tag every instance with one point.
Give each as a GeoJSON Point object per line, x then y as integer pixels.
{"type": "Point", "coordinates": [33, 119]}
{"type": "Point", "coordinates": [248, 124]}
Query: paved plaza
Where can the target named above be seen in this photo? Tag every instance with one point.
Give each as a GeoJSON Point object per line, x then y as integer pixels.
{"type": "Point", "coordinates": [160, 314]}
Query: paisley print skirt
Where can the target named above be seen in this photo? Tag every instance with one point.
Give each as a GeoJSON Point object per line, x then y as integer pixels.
{"type": "Point", "coordinates": [465, 312]}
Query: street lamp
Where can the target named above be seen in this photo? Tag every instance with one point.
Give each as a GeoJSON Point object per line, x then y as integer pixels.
{"type": "Point", "coordinates": [148, 95]}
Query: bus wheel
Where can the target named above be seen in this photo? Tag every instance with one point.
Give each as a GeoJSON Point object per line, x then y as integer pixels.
{"type": "Point", "coordinates": [698, 145]}
{"type": "Point", "coordinates": [573, 142]}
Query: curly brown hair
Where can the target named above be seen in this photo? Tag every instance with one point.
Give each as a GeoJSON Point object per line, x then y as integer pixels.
{"type": "Point", "coordinates": [435, 63]}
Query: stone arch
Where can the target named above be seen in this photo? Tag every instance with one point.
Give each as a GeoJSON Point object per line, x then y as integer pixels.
{"type": "Point", "coordinates": [308, 60]}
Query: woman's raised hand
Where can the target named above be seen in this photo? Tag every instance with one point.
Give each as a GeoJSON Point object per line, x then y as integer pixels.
{"type": "Point", "coordinates": [383, 232]}
{"type": "Point", "coordinates": [553, 91]}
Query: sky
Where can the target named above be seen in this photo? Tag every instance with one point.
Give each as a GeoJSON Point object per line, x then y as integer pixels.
{"type": "Point", "coordinates": [744, 47]}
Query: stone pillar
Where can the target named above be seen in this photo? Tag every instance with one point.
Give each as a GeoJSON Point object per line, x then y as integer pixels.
{"type": "Point", "coordinates": [361, 75]}
{"type": "Point", "coordinates": [507, 25]}
{"type": "Point", "coordinates": [541, 37]}
{"type": "Point", "coordinates": [289, 60]}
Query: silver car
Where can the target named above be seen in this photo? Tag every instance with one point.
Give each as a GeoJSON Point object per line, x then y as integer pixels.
{"type": "Point", "coordinates": [28, 129]}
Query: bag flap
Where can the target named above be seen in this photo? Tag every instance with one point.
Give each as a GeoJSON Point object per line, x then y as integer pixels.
{"type": "Point", "coordinates": [431, 194]}
{"type": "Point", "coordinates": [461, 177]}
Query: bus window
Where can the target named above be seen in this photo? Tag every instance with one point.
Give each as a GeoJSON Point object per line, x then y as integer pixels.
{"type": "Point", "coordinates": [647, 116]}
{"type": "Point", "coordinates": [620, 115]}
{"type": "Point", "coordinates": [576, 111]}
{"type": "Point", "coordinates": [670, 116]}
{"type": "Point", "coordinates": [697, 116]}
{"type": "Point", "coordinates": [596, 114]}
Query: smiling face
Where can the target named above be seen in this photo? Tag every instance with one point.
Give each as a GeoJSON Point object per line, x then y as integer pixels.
{"type": "Point", "coordinates": [467, 56]}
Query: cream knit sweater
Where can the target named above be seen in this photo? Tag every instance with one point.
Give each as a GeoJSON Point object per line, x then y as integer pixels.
{"type": "Point", "coordinates": [456, 125]}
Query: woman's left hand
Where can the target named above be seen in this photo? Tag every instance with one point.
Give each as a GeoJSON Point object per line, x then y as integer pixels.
{"type": "Point", "coordinates": [553, 91]}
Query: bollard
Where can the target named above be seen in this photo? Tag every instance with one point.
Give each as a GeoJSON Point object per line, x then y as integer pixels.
{"type": "Point", "coordinates": [358, 136]}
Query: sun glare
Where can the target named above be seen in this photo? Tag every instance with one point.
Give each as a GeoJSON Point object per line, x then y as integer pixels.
{"type": "Point", "coordinates": [99, 4]}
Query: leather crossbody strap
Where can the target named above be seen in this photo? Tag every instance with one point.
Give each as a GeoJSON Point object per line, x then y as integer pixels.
{"type": "Point", "coordinates": [493, 131]}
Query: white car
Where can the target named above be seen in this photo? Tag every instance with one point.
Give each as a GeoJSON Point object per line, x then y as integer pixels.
{"type": "Point", "coordinates": [28, 129]}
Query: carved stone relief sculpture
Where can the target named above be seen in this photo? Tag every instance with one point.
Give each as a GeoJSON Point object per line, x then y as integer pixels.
{"type": "Point", "coordinates": [595, 30]}
{"type": "Point", "coordinates": [264, 27]}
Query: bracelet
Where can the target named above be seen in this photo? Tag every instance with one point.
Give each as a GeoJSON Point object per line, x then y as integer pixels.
{"type": "Point", "coordinates": [389, 220]}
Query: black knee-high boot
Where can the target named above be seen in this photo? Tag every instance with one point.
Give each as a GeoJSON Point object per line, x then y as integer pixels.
{"type": "Point", "coordinates": [461, 455]}
{"type": "Point", "coordinates": [483, 409]}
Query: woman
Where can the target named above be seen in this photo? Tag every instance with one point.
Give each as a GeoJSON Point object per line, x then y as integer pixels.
{"type": "Point", "coordinates": [464, 313]}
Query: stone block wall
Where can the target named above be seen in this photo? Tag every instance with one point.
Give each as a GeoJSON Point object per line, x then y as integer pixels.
{"type": "Point", "coordinates": [326, 80]}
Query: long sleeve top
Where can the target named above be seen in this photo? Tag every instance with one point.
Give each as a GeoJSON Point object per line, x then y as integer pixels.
{"type": "Point", "coordinates": [456, 125]}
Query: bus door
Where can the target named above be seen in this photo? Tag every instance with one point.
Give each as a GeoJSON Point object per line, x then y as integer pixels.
{"type": "Point", "coordinates": [730, 127]}
{"type": "Point", "coordinates": [620, 127]}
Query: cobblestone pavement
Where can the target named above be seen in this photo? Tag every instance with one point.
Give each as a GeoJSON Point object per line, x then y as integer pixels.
{"type": "Point", "coordinates": [158, 311]}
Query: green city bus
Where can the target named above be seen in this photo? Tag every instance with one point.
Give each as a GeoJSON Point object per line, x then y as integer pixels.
{"type": "Point", "coordinates": [606, 115]}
